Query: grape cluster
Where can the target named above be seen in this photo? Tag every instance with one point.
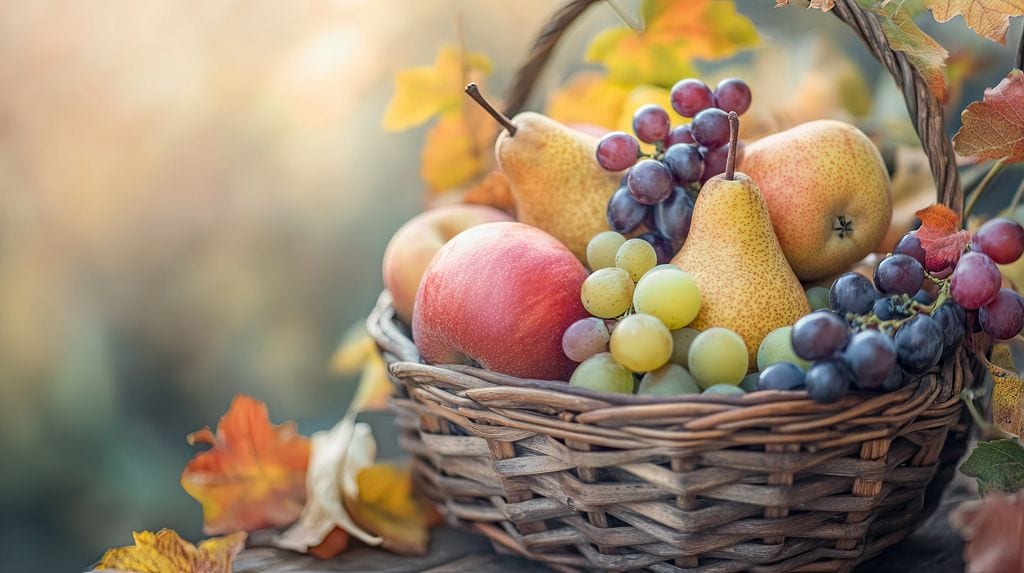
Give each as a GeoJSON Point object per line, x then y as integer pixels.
{"type": "Point", "coordinates": [658, 189]}
{"type": "Point", "coordinates": [876, 334]}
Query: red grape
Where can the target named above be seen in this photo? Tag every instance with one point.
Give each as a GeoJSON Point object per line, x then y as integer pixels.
{"type": "Point", "coordinates": [585, 338]}
{"type": "Point", "coordinates": [733, 95]}
{"type": "Point", "coordinates": [649, 181]}
{"type": "Point", "coordinates": [624, 212]}
{"type": "Point", "coordinates": [691, 96]}
{"type": "Point", "coordinates": [899, 274]}
{"type": "Point", "coordinates": [910, 245]}
{"type": "Point", "coordinates": [975, 281]}
{"type": "Point", "coordinates": [680, 134]}
{"type": "Point", "coordinates": [714, 160]}
{"type": "Point", "coordinates": [1001, 239]}
{"type": "Point", "coordinates": [650, 123]}
{"type": "Point", "coordinates": [1003, 317]}
{"type": "Point", "coordinates": [617, 151]}
{"type": "Point", "coordinates": [819, 335]}
{"type": "Point", "coordinates": [711, 128]}
{"type": "Point", "coordinates": [685, 163]}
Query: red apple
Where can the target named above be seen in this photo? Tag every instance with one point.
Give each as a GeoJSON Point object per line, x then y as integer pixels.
{"type": "Point", "coordinates": [500, 295]}
{"type": "Point", "coordinates": [415, 243]}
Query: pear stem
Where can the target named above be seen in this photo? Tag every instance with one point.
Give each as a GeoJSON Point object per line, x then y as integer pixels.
{"type": "Point", "coordinates": [734, 134]}
{"type": "Point", "coordinates": [474, 92]}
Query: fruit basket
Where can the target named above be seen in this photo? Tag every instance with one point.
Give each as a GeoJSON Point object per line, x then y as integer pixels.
{"type": "Point", "coordinates": [766, 481]}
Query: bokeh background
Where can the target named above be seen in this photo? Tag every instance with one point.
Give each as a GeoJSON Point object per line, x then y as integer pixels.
{"type": "Point", "coordinates": [194, 201]}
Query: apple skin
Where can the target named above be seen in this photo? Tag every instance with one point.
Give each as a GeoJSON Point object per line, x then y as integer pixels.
{"type": "Point", "coordinates": [500, 295]}
{"type": "Point", "coordinates": [417, 241]}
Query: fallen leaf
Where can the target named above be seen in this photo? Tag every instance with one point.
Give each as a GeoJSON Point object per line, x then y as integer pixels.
{"type": "Point", "coordinates": [994, 127]}
{"type": "Point", "coordinates": [994, 530]}
{"type": "Point", "coordinates": [336, 454]}
{"type": "Point", "coordinates": [424, 92]}
{"type": "Point", "coordinates": [375, 388]}
{"type": "Point", "coordinates": [989, 18]}
{"type": "Point", "coordinates": [674, 34]}
{"type": "Point", "coordinates": [998, 465]}
{"type": "Point", "coordinates": [166, 552]}
{"type": "Point", "coordinates": [941, 237]}
{"type": "Point", "coordinates": [588, 98]}
{"type": "Point", "coordinates": [927, 55]}
{"type": "Point", "coordinates": [254, 475]}
{"type": "Point", "coordinates": [494, 190]}
{"type": "Point", "coordinates": [357, 352]}
{"type": "Point", "coordinates": [1007, 391]}
{"type": "Point", "coordinates": [334, 544]}
{"type": "Point", "coordinates": [381, 499]}
{"type": "Point", "coordinates": [458, 148]}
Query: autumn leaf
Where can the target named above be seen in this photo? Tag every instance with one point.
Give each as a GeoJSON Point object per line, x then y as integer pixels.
{"type": "Point", "coordinates": [1007, 391]}
{"type": "Point", "coordinates": [989, 18]}
{"type": "Point", "coordinates": [254, 475]}
{"type": "Point", "coordinates": [927, 55]}
{"type": "Point", "coordinates": [998, 465]}
{"type": "Point", "coordinates": [358, 353]}
{"type": "Point", "coordinates": [424, 92]}
{"type": "Point", "coordinates": [994, 127]}
{"type": "Point", "coordinates": [588, 98]}
{"type": "Point", "coordinates": [382, 501]}
{"type": "Point", "coordinates": [167, 552]}
{"type": "Point", "coordinates": [458, 148]}
{"type": "Point", "coordinates": [823, 5]}
{"type": "Point", "coordinates": [494, 190]}
{"type": "Point", "coordinates": [941, 237]}
{"type": "Point", "coordinates": [994, 530]}
{"type": "Point", "coordinates": [674, 34]}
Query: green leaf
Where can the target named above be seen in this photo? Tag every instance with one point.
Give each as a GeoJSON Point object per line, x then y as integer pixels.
{"type": "Point", "coordinates": [927, 55]}
{"type": "Point", "coordinates": [997, 465]}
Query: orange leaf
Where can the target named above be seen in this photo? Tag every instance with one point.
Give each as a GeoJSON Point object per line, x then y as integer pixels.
{"type": "Point", "coordinates": [384, 504]}
{"type": "Point", "coordinates": [994, 127]}
{"type": "Point", "coordinates": [458, 148]}
{"type": "Point", "coordinates": [989, 18]}
{"type": "Point", "coordinates": [494, 190]}
{"type": "Point", "coordinates": [254, 476]}
{"type": "Point", "coordinates": [941, 237]}
{"type": "Point", "coordinates": [588, 98]}
{"type": "Point", "coordinates": [994, 529]}
{"type": "Point", "coordinates": [167, 552]}
{"type": "Point", "coordinates": [333, 545]}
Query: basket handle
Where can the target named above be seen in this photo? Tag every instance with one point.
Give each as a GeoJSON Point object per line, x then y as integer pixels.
{"type": "Point", "coordinates": [923, 106]}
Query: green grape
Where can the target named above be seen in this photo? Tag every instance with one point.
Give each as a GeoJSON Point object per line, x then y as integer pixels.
{"type": "Point", "coordinates": [717, 356]}
{"type": "Point", "coordinates": [602, 373]}
{"type": "Point", "coordinates": [749, 382]}
{"type": "Point", "coordinates": [607, 292]}
{"type": "Point", "coordinates": [818, 298]}
{"type": "Point", "coordinates": [778, 347]}
{"type": "Point", "coordinates": [602, 248]}
{"type": "Point", "coordinates": [723, 389]}
{"type": "Point", "coordinates": [663, 266]}
{"type": "Point", "coordinates": [681, 340]}
{"type": "Point", "coordinates": [672, 297]}
{"type": "Point", "coordinates": [636, 256]}
{"type": "Point", "coordinates": [669, 380]}
{"type": "Point", "coordinates": [641, 343]}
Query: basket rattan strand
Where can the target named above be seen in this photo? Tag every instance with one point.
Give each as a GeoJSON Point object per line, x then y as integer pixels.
{"type": "Point", "coordinates": [765, 482]}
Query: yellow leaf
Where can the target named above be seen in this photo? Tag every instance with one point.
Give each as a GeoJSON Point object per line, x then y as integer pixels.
{"type": "Point", "coordinates": [588, 98]}
{"type": "Point", "coordinates": [927, 55]}
{"type": "Point", "coordinates": [359, 353]}
{"type": "Point", "coordinates": [167, 552]}
{"type": "Point", "coordinates": [355, 349]}
{"type": "Point", "coordinates": [424, 92]}
{"type": "Point", "coordinates": [674, 34]}
{"type": "Point", "coordinates": [458, 148]}
{"type": "Point", "coordinates": [1007, 391]}
{"type": "Point", "coordinates": [989, 18]}
{"type": "Point", "coordinates": [383, 502]}
{"type": "Point", "coordinates": [375, 387]}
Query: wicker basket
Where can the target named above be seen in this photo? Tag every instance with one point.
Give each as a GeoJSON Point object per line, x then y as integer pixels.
{"type": "Point", "coordinates": [768, 481]}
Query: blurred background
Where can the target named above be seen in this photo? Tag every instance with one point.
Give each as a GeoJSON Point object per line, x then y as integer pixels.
{"type": "Point", "coordinates": [194, 201]}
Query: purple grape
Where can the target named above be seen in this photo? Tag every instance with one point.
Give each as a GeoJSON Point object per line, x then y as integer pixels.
{"type": "Point", "coordinates": [617, 151]}
{"type": "Point", "coordinates": [649, 181]}
{"type": "Point", "coordinates": [711, 128]}
{"type": "Point", "coordinates": [910, 245]}
{"type": "Point", "coordinates": [733, 95]}
{"type": "Point", "coordinates": [827, 381]}
{"type": "Point", "coordinates": [1003, 317]}
{"type": "Point", "coordinates": [715, 159]}
{"type": "Point", "coordinates": [685, 163]}
{"type": "Point", "coordinates": [691, 96]}
{"type": "Point", "coordinates": [624, 213]}
{"type": "Point", "coordinates": [819, 335]}
{"type": "Point", "coordinates": [924, 297]}
{"type": "Point", "coordinates": [585, 338]}
{"type": "Point", "coordinates": [781, 376]}
{"type": "Point", "coordinates": [672, 216]}
{"type": "Point", "coordinates": [899, 274]}
{"type": "Point", "coordinates": [1001, 239]}
{"type": "Point", "coordinates": [919, 343]}
{"type": "Point", "coordinates": [976, 280]}
{"type": "Point", "coordinates": [662, 246]}
{"type": "Point", "coordinates": [888, 308]}
{"type": "Point", "coordinates": [952, 319]}
{"type": "Point", "coordinates": [894, 381]}
{"type": "Point", "coordinates": [852, 293]}
{"type": "Point", "coordinates": [680, 134]}
{"type": "Point", "coordinates": [871, 357]}
{"type": "Point", "coordinates": [651, 123]}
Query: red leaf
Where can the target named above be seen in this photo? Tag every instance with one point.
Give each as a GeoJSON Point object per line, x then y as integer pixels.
{"type": "Point", "coordinates": [994, 127]}
{"type": "Point", "coordinates": [941, 237]}
{"type": "Point", "coordinates": [994, 529]}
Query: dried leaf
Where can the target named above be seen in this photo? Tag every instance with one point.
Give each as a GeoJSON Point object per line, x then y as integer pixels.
{"type": "Point", "coordinates": [823, 5]}
{"type": "Point", "coordinates": [1007, 391]}
{"type": "Point", "coordinates": [674, 34]}
{"type": "Point", "coordinates": [382, 500]}
{"type": "Point", "coordinates": [424, 92]}
{"type": "Point", "coordinates": [353, 351]}
{"type": "Point", "coordinates": [994, 530]}
{"type": "Point", "coordinates": [254, 475]}
{"type": "Point", "coordinates": [458, 148]}
{"type": "Point", "coordinates": [997, 465]}
{"type": "Point", "coordinates": [927, 55]}
{"type": "Point", "coordinates": [166, 552]}
{"type": "Point", "coordinates": [588, 98]}
{"type": "Point", "coordinates": [334, 544]}
{"type": "Point", "coordinates": [994, 127]}
{"type": "Point", "coordinates": [494, 190]}
{"type": "Point", "coordinates": [989, 18]}
{"type": "Point", "coordinates": [941, 237]}
{"type": "Point", "coordinates": [337, 454]}
{"type": "Point", "coordinates": [359, 353]}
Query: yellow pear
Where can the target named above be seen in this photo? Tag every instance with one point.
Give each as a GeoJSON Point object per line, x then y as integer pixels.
{"type": "Point", "coordinates": [556, 181]}
{"type": "Point", "coordinates": [746, 284]}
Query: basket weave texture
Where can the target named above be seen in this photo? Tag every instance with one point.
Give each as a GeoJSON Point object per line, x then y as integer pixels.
{"type": "Point", "coordinates": [767, 482]}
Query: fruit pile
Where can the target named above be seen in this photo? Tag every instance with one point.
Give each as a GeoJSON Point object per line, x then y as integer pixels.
{"type": "Point", "coordinates": [658, 187]}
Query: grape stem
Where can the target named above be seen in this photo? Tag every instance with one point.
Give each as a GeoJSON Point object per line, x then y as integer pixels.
{"type": "Point", "coordinates": [474, 92]}
{"type": "Point", "coordinates": [909, 304]}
